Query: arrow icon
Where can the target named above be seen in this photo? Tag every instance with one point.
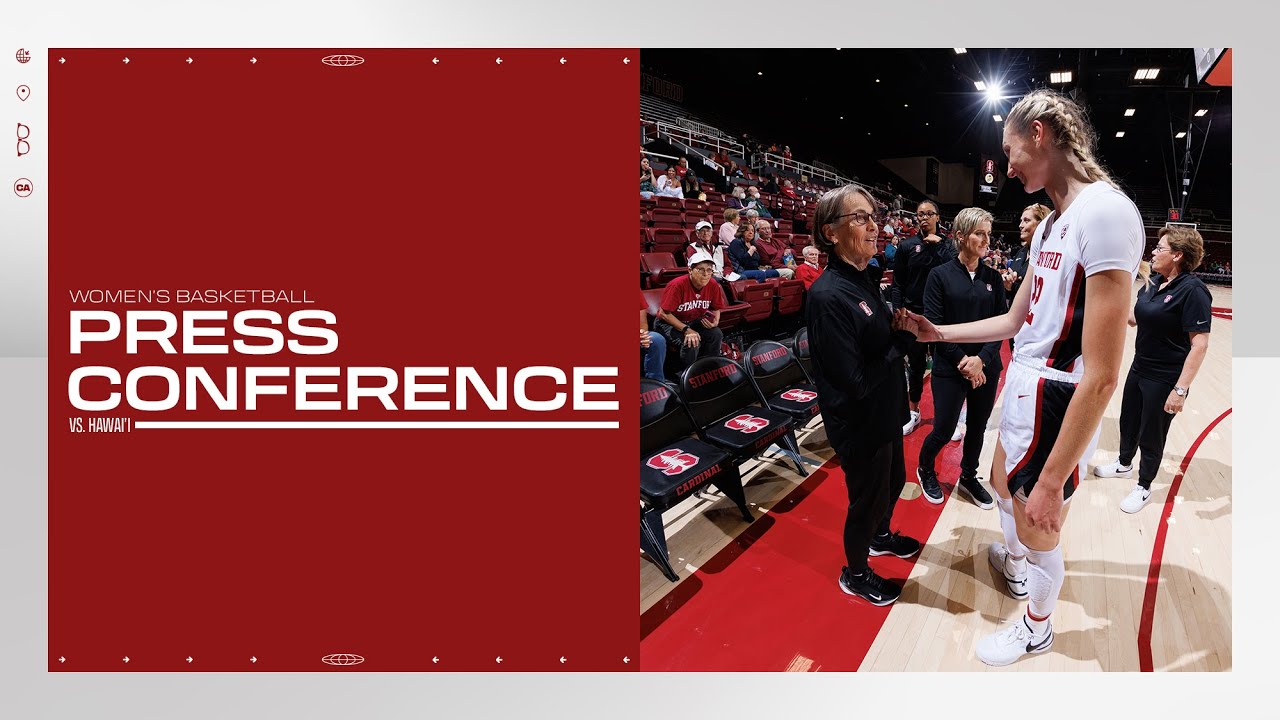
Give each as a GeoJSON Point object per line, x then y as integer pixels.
{"type": "Point", "coordinates": [435, 659]}
{"type": "Point", "coordinates": [253, 659]}
{"type": "Point", "coordinates": [189, 61]}
{"type": "Point", "coordinates": [126, 61]}
{"type": "Point", "coordinates": [499, 659]}
{"type": "Point", "coordinates": [561, 659]}
{"type": "Point", "coordinates": [435, 61]}
{"type": "Point", "coordinates": [62, 61]}
{"type": "Point", "coordinates": [626, 660]}
{"type": "Point", "coordinates": [561, 61]}
{"type": "Point", "coordinates": [253, 60]}
{"type": "Point", "coordinates": [626, 61]}
{"type": "Point", "coordinates": [499, 61]}
{"type": "Point", "coordinates": [62, 659]}
{"type": "Point", "coordinates": [189, 659]}
{"type": "Point", "coordinates": [126, 658]}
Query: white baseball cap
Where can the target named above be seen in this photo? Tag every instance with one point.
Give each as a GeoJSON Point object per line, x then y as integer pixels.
{"type": "Point", "coordinates": [700, 256]}
{"type": "Point", "coordinates": [703, 224]}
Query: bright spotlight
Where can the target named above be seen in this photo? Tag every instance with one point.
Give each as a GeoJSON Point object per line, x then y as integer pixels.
{"type": "Point", "coordinates": [993, 93]}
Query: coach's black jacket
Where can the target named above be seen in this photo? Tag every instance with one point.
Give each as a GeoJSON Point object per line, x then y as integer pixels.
{"type": "Point", "coordinates": [911, 266]}
{"type": "Point", "coordinates": [857, 359]}
{"type": "Point", "coordinates": [951, 297]}
{"type": "Point", "coordinates": [1019, 263]}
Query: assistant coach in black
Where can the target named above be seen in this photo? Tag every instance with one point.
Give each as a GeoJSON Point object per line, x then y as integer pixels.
{"type": "Point", "coordinates": [1173, 315]}
{"type": "Point", "coordinates": [916, 257]}
{"type": "Point", "coordinates": [857, 344]}
{"type": "Point", "coordinates": [960, 291]}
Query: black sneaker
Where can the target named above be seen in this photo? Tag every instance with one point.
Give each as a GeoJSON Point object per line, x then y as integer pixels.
{"type": "Point", "coordinates": [971, 486]}
{"type": "Point", "coordinates": [869, 586]}
{"type": "Point", "coordinates": [929, 483]}
{"type": "Point", "coordinates": [895, 544]}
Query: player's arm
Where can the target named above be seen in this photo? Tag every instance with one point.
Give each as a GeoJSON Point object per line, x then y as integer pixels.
{"type": "Point", "coordinates": [999, 327]}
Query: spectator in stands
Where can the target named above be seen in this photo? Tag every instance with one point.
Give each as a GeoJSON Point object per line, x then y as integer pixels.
{"type": "Point", "coordinates": [669, 184]}
{"type": "Point", "coordinates": [721, 158]}
{"type": "Point", "coordinates": [653, 347]}
{"type": "Point", "coordinates": [771, 251]}
{"type": "Point", "coordinates": [913, 261]}
{"type": "Point", "coordinates": [809, 270]}
{"type": "Point", "coordinates": [690, 185]}
{"type": "Point", "coordinates": [771, 186]}
{"type": "Point", "coordinates": [788, 189]}
{"type": "Point", "coordinates": [648, 185]}
{"type": "Point", "coordinates": [736, 198]}
{"type": "Point", "coordinates": [1173, 316]}
{"type": "Point", "coordinates": [689, 318]}
{"type": "Point", "coordinates": [786, 151]}
{"type": "Point", "coordinates": [704, 243]}
{"type": "Point", "coordinates": [729, 229]}
{"type": "Point", "coordinates": [757, 203]}
{"type": "Point", "coordinates": [857, 344]}
{"type": "Point", "coordinates": [734, 170]}
{"type": "Point", "coordinates": [745, 256]}
{"type": "Point", "coordinates": [890, 250]}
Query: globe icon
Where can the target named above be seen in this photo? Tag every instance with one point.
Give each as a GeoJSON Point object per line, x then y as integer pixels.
{"type": "Point", "coordinates": [342, 60]}
{"type": "Point", "coordinates": [23, 56]}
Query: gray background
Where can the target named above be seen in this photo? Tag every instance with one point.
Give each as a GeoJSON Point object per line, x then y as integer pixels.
{"type": "Point", "coordinates": [28, 691]}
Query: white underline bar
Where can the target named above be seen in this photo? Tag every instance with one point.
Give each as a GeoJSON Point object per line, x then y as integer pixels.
{"type": "Point", "coordinates": [376, 425]}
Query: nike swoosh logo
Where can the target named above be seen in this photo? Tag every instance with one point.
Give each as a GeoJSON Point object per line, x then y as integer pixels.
{"type": "Point", "coordinates": [1042, 643]}
{"type": "Point", "coordinates": [1201, 322]}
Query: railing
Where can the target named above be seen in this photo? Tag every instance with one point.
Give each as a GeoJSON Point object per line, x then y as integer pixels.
{"type": "Point", "coordinates": [702, 128]}
{"type": "Point", "coordinates": [693, 138]}
{"type": "Point", "coordinates": [815, 172]}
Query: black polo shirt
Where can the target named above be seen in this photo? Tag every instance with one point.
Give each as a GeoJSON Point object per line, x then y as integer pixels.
{"type": "Point", "coordinates": [1165, 319]}
{"type": "Point", "coordinates": [952, 297]}
{"type": "Point", "coordinates": [857, 358]}
{"type": "Point", "coordinates": [1019, 263]}
{"type": "Point", "coordinates": [911, 266]}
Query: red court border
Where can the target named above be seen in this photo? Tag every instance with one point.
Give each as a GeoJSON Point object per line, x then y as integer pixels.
{"type": "Point", "coordinates": [1145, 662]}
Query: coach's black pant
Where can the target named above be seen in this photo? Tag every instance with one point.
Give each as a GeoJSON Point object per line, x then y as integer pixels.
{"type": "Point", "coordinates": [916, 354]}
{"type": "Point", "coordinates": [949, 395]}
{"type": "Point", "coordinates": [1144, 424]}
{"type": "Point", "coordinates": [709, 347]}
{"type": "Point", "coordinates": [874, 479]}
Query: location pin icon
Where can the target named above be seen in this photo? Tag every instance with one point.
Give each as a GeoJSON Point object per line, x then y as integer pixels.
{"type": "Point", "coordinates": [23, 92]}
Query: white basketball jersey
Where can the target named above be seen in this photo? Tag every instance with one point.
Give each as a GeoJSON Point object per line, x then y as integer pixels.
{"type": "Point", "coordinates": [1102, 230]}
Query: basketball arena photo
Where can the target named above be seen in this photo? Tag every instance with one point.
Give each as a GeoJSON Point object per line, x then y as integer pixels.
{"type": "Point", "coordinates": [936, 347]}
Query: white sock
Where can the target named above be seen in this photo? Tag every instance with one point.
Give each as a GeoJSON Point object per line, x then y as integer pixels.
{"type": "Point", "coordinates": [1044, 581]}
{"type": "Point", "coordinates": [1016, 562]}
{"type": "Point", "coordinates": [964, 414]}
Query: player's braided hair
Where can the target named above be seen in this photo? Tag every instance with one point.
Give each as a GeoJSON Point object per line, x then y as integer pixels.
{"type": "Point", "coordinates": [1071, 128]}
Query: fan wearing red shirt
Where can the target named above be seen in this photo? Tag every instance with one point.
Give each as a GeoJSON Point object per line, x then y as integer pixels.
{"type": "Point", "coordinates": [689, 316]}
{"type": "Point", "coordinates": [809, 270]}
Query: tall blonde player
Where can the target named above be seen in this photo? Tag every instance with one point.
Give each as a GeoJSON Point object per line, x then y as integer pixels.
{"type": "Point", "coordinates": [1069, 317]}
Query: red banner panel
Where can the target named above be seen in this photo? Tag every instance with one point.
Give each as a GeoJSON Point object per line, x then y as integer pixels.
{"type": "Point", "coordinates": [340, 377]}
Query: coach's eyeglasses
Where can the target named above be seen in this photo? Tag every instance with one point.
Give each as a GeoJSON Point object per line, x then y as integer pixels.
{"type": "Point", "coordinates": [860, 218]}
{"type": "Point", "coordinates": [1157, 250]}
{"type": "Point", "coordinates": [24, 132]}
{"type": "Point", "coordinates": [926, 214]}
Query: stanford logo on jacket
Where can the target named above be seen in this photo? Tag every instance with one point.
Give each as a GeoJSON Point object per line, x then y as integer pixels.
{"type": "Point", "coordinates": [672, 462]}
{"type": "Point", "coordinates": [865, 307]}
{"type": "Point", "coordinates": [799, 395]}
{"type": "Point", "coordinates": [747, 424]}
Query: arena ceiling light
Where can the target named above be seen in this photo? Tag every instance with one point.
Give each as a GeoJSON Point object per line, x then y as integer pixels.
{"type": "Point", "coordinates": [1128, 112]}
{"type": "Point", "coordinates": [1146, 74]}
{"type": "Point", "coordinates": [1180, 135]}
{"type": "Point", "coordinates": [993, 94]}
{"type": "Point", "coordinates": [1201, 112]}
{"type": "Point", "coordinates": [997, 118]}
{"type": "Point", "coordinates": [1058, 78]}
{"type": "Point", "coordinates": [979, 85]}
{"type": "Point", "coordinates": [1120, 134]}
{"type": "Point", "coordinates": [960, 51]}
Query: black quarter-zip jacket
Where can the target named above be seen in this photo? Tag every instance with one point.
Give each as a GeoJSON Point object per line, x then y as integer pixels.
{"type": "Point", "coordinates": [911, 267]}
{"type": "Point", "coordinates": [857, 358]}
{"type": "Point", "coordinates": [952, 297]}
